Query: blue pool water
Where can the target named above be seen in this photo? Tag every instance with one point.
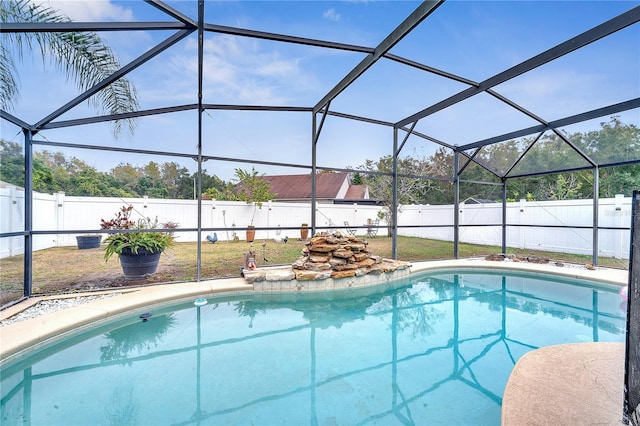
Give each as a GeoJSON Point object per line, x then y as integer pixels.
{"type": "Point", "coordinates": [433, 350]}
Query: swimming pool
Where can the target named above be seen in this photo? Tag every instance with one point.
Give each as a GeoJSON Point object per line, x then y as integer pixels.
{"type": "Point", "coordinates": [437, 348]}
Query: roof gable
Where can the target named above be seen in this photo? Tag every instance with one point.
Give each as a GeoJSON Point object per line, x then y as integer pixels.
{"type": "Point", "coordinates": [328, 186]}
{"type": "Point", "coordinates": [357, 192]}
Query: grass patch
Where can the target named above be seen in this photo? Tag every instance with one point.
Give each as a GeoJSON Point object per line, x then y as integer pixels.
{"type": "Point", "coordinates": [68, 270]}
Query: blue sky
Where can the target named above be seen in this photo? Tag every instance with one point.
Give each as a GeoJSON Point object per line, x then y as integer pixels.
{"type": "Point", "coordinates": [472, 39]}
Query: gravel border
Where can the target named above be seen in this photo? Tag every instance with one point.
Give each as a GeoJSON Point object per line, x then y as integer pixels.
{"type": "Point", "coordinates": [538, 261]}
{"type": "Point", "coordinates": [53, 305]}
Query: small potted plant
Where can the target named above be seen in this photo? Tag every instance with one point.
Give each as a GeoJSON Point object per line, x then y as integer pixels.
{"type": "Point", "coordinates": [249, 187]}
{"type": "Point", "coordinates": [88, 241]}
{"type": "Point", "coordinates": [139, 250]}
{"type": "Point", "coordinates": [253, 190]}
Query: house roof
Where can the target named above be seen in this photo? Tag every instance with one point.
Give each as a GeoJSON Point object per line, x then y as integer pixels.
{"type": "Point", "coordinates": [328, 186]}
{"type": "Point", "coordinates": [356, 192]}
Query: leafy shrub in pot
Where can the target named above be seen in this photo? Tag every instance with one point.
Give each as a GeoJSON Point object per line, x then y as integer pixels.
{"type": "Point", "coordinates": [136, 240]}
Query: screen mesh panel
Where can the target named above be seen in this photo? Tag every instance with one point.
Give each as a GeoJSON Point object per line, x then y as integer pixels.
{"type": "Point", "coordinates": [632, 358]}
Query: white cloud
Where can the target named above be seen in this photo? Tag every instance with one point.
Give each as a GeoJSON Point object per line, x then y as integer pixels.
{"type": "Point", "coordinates": [540, 84]}
{"type": "Point", "coordinates": [91, 10]}
{"type": "Point", "coordinates": [554, 92]}
{"type": "Point", "coordinates": [241, 71]}
{"type": "Point", "coordinates": [279, 67]}
{"type": "Point", "coordinates": [331, 15]}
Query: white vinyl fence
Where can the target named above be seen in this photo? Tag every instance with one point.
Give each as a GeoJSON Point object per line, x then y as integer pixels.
{"type": "Point", "coordinates": [58, 212]}
{"type": "Point", "coordinates": [612, 213]}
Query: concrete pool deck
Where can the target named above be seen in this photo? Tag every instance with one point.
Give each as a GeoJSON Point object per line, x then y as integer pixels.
{"type": "Point", "coordinates": [565, 384]}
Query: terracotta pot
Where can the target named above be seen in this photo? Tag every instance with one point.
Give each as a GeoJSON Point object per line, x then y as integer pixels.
{"type": "Point", "coordinates": [251, 233]}
{"type": "Point", "coordinates": [304, 232]}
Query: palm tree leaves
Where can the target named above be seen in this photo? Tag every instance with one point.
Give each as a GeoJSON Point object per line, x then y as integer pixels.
{"type": "Point", "coordinates": [82, 56]}
{"type": "Point", "coordinates": [8, 80]}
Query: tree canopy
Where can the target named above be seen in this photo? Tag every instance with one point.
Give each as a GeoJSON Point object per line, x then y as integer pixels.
{"type": "Point", "coordinates": [247, 186]}
{"type": "Point", "coordinates": [428, 180]}
{"type": "Point", "coordinates": [422, 179]}
{"type": "Point", "coordinates": [53, 172]}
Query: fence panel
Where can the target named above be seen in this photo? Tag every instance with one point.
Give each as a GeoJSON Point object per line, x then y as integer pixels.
{"type": "Point", "coordinates": [11, 220]}
{"type": "Point", "coordinates": [58, 212]}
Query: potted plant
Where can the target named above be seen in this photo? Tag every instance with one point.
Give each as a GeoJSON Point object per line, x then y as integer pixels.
{"type": "Point", "coordinates": [88, 241]}
{"type": "Point", "coordinates": [132, 338]}
{"type": "Point", "coordinates": [252, 189]}
{"type": "Point", "coordinates": [248, 187]}
{"type": "Point", "coordinates": [139, 250]}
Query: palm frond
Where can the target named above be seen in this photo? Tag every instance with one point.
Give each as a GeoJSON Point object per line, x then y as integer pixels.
{"type": "Point", "coordinates": [8, 78]}
{"type": "Point", "coordinates": [83, 56]}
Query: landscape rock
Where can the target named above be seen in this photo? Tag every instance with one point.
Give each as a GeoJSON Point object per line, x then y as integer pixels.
{"type": "Point", "coordinates": [317, 239]}
{"type": "Point", "coordinates": [323, 248]}
{"type": "Point", "coordinates": [337, 261]}
{"type": "Point", "coordinates": [361, 272]}
{"type": "Point", "coordinates": [342, 253]}
{"type": "Point", "coordinates": [390, 265]}
{"type": "Point", "coordinates": [299, 263]}
{"type": "Point", "coordinates": [345, 256]}
{"type": "Point", "coordinates": [303, 275]}
{"type": "Point", "coordinates": [538, 260]}
{"type": "Point", "coordinates": [356, 247]}
{"type": "Point", "coordinates": [361, 256]}
{"type": "Point", "coordinates": [343, 274]}
{"type": "Point", "coordinates": [254, 276]}
{"type": "Point", "coordinates": [345, 267]}
{"type": "Point", "coordinates": [280, 275]}
{"type": "Point", "coordinates": [317, 266]}
{"type": "Point", "coordinates": [333, 239]}
{"type": "Point", "coordinates": [329, 256]}
{"type": "Point", "coordinates": [495, 257]}
{"type": "Point", "coordinates": [316, 257]}
{"type": "Point", "coordinates": [376, 270]}
{"type": "Point", "coordinates": [364, 263]}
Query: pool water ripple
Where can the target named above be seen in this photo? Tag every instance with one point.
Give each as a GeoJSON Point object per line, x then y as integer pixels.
{"type": "Point", "coordinates": [437, 348]}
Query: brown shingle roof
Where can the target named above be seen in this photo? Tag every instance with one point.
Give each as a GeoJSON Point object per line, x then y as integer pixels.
{"type": "Point", "coordinates": [290, 187]}
{"type": "Point", "coordinates": [356, 192]}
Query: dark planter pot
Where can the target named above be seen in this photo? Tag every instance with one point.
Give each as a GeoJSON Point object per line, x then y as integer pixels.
{"type": "Point", "coordinates": [88, 241]}
{"type": "Point", "coordinates": [140, 265]}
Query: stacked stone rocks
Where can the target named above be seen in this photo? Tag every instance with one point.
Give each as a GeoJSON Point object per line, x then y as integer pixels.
{"type": "Point", "coordinates": [336, 256]}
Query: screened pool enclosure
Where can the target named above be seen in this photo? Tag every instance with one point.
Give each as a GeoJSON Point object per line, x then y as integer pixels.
{"type": "Point", "coordinates": [490, 93]}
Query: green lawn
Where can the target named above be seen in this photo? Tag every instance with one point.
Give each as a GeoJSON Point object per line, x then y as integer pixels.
{"type": "Point", "coordinates": [67, 269]}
